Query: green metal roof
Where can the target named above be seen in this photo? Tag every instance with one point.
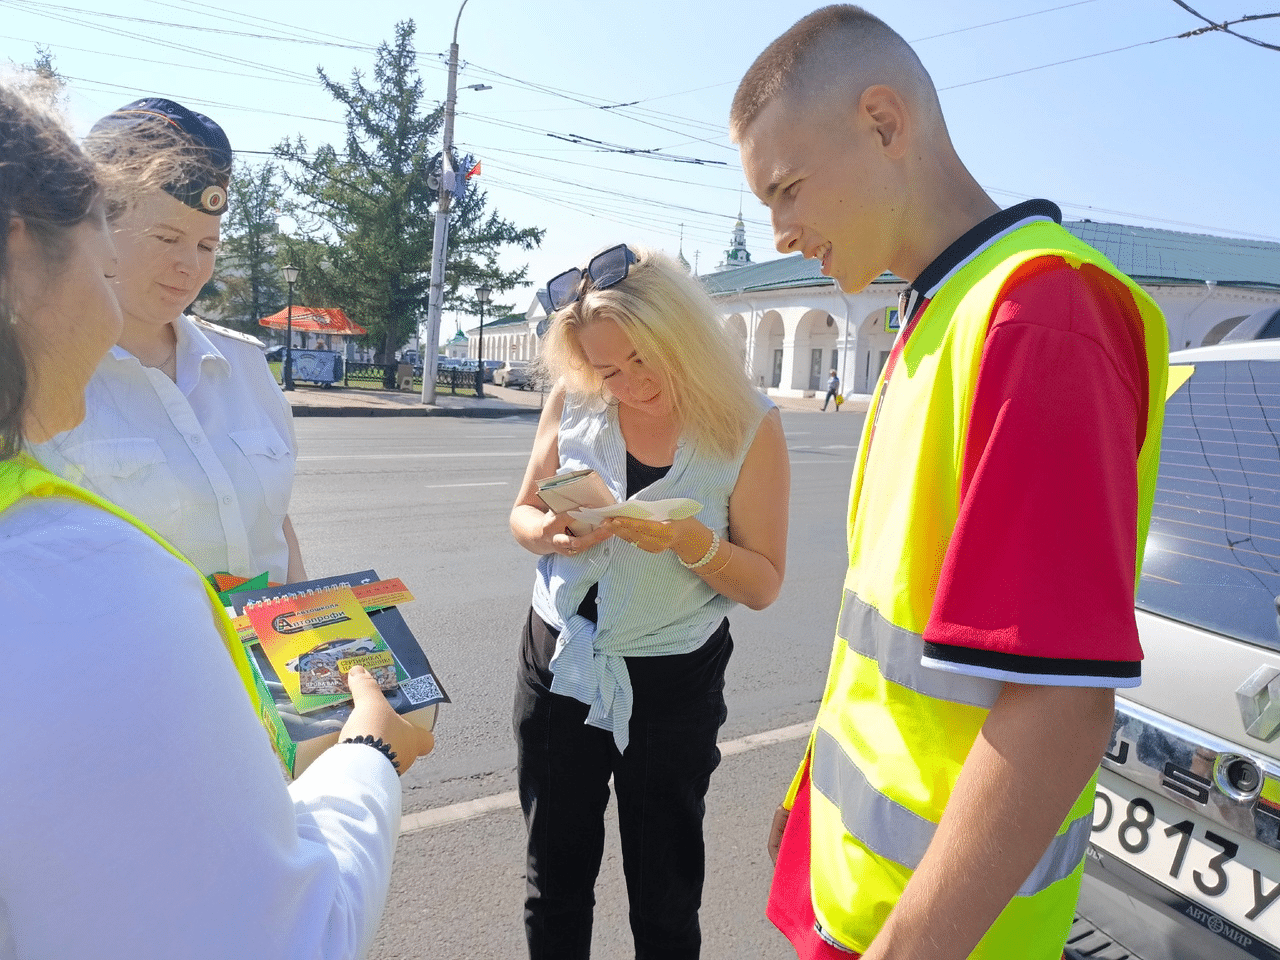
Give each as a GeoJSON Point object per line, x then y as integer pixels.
{"type": "Point", "coordinates": [792, 271]}
{"type": "Point", "coordinates": [508, 320]}
{"type": "Point", "coordinates": [1145, 253]}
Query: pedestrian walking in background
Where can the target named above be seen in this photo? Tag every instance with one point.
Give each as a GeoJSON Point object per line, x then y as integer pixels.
{"type": "Point", "coordinates": [833, 392]}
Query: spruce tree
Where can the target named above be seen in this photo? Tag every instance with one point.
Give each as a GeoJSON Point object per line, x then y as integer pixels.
{"type": "Point", "coordinates": [248, 284]}
{"type": "Point", "coordinates": [367, 207]}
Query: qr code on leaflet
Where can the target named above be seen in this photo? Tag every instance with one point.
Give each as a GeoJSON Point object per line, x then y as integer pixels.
{"type": "Point", "coordinates": [421, 689]}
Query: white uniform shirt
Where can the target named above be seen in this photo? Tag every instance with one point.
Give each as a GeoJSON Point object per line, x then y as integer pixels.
{"type": "Point", "coordinates": [143, 815]}
{"type": "Point", "coordinates": [207, 462]}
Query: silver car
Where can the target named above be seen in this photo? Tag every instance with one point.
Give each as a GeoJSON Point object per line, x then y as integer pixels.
{"type": "Point", "coordinates": [514, 373]}
{"type": "Point", "coordinates": [1185, 854]}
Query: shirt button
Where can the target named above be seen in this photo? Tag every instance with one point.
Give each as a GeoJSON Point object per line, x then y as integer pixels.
{"type": "Point", "coordinates": [226, 499]}
{"type": "Point", "coordinates": [195, 438]}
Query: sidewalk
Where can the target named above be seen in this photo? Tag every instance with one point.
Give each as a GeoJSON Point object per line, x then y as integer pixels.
{"type": "Point", "coordinates": [336, 401]}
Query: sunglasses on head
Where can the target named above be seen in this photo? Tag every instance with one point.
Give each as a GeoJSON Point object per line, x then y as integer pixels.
{"type": "Point", "coordinates": [605, 270]}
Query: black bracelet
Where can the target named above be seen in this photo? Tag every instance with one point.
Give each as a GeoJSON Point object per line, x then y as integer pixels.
{"type": "Point", "coordinates": [378, 744]}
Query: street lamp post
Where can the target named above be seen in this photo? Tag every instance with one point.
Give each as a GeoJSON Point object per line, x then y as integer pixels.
{"type": "Point", "coordinates": [290, 277]}
{"type": "Point", "coordinates": [482, 294]}
{"type": "Point", "coordinates": [440, 240]}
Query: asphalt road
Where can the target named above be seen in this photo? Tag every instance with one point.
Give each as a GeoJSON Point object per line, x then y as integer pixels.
{"type": "Point", "coordinates": [426, 500]}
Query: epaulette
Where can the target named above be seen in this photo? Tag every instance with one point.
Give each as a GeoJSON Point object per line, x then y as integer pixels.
{"type": "Point", "coordinates": [227, 332]}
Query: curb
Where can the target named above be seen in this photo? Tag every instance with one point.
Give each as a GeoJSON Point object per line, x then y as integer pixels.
{"type": "Point", "coordinates": [484, 413]}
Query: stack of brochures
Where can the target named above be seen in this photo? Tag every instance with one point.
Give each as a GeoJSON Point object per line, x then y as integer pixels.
{"type": "Point", "coordinates": [303, 638]}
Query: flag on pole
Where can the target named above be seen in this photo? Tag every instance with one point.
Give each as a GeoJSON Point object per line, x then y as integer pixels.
{"type": "Point", "coordinates": [474, 171]}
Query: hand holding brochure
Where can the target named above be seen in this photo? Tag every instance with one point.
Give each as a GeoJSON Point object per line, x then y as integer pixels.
{"type": "Point", "coordinates": [677, 508]}
{"type": "Point", "coordinates": [584, 496]}
{"type": "Point", "coordinates": [302, 639]}
{"type": "Point", "coordinates": [569, 491]}
{"type": "Point", "coordinates": [312, 641]}
{"type": "Point", "coordinates": [580, 488]}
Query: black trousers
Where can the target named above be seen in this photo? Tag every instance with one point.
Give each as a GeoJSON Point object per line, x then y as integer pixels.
{"type": "Point", "coordinates": [661, 783]}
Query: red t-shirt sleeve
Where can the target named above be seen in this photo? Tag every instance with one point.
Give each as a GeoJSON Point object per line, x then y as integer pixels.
{"type": "Point", "coordinates": [1037, 585]}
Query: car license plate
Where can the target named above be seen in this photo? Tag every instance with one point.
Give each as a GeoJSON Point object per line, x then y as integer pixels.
{"type": "Point", "coordinates": [1231, 876]}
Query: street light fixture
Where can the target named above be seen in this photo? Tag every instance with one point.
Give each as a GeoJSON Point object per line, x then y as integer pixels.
{"type": "Point", "coordinates": [290, 277]}
{"type": "Point", "coordinates": [482, 294]}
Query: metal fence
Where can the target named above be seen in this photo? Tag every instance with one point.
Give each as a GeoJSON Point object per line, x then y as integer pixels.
{"type": "Point", "coordinates": [383, 374]}
{"type": "Point", "coordinates": [454, 378]}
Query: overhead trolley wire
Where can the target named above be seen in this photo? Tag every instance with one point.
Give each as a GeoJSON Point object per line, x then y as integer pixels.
{"type": "Point", "coordinates": [222, 13]}
{"type": "Point", "coordinates": [239, 61]}
{"type": "Point", "coordinates": [161, 63]}
{"type": "Point", "coordinates": [41, 6]}
{"type": "Point", "coordinates": [1225, 27]}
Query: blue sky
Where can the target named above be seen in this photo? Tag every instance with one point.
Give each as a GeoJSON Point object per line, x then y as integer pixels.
{"type": "Point", "coordinates": [1165, 132]}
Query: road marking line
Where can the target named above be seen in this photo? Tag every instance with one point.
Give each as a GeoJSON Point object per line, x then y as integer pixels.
{"type": "Point", "coordinates": [457, 812]}
{"type": "Point", "coordinates": [754, 741]}
{"type": "Point", "coordinates": [415, 456]}
{"type": "Point", "coordinates": [470, 809]}
{"type": "Point", "coordinates": [447, 486]}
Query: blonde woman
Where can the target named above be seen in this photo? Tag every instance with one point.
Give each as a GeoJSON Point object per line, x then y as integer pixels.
{"type": "Point", "coordinates": [623, 655]}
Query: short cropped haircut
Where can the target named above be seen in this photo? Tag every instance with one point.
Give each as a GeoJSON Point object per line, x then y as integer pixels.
{"type": "Point", "coordinates": [784, 66]}
{"type": "Point", "coordinates": [676, 330]}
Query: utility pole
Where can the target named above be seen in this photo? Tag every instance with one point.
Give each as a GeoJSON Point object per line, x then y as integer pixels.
{"type": "Point", "coordinates": [440, 243]}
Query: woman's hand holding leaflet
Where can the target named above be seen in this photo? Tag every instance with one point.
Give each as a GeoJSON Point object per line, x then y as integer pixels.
{"type": "Point", "coordinates": [653, 536]}
{"type": "Point", "coordinates": [556, 533]}
{"type": "Point", "coordinates": [373, 716]}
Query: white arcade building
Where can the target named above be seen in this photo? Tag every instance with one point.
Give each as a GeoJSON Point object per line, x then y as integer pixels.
{"type": "Point", "coordinates": [794, 325]}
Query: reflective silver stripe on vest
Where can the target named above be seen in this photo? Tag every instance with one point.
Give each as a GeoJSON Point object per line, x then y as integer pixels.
{"type": "Point", "coordinates": [891, 831]}
{"type": "Point", "coordinates": [1061, 859]}
{"type": "Point", "coordinates": [897, 651]}
{"type": "Point", "coordinates": [884, 826]}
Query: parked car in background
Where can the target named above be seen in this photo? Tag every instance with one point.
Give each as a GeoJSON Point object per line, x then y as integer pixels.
{"type": "Point", "coordinates": [1185, 854]}
{"type": "Point", "coordinates": [489, 367]}
{"type": "Point", "coordinates": [514, 373]}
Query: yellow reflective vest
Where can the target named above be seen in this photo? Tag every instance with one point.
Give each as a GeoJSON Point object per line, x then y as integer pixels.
{"type": "Point", "coordinates": [892, 735]}
{"type": "Point", "coordinates": [22, 476]}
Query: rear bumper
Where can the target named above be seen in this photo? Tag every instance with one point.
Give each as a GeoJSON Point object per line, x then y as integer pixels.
{"type": "Point", "coordinates": [1152, 922]}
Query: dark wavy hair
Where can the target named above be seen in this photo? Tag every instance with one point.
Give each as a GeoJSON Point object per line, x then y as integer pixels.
{"type": "Point", "coordinates": [51, 185]}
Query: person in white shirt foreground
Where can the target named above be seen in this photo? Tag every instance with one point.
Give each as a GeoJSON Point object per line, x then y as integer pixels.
{"type": "Point", "coordinates": [185, 425]}
{"type": "Point", "coordinates": [143, 814]}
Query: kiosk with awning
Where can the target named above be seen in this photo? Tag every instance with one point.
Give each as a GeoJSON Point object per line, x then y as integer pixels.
{"type": "Point", "coordinates": [323, 366]}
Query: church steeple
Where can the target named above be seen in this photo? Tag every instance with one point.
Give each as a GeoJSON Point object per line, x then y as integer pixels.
{"type": "Point", "coordinates": [680, 256]}
{"type": "Point", "coordinates": [737, 254]}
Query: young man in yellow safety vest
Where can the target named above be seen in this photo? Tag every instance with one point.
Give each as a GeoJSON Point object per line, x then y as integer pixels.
{"type": "Point", "coordinates": [1003, 485]}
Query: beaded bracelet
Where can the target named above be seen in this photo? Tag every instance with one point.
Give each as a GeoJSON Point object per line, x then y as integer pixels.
{"type": "Point", "coordinates": [706, 557]}
{"type": "Point", "coordinates": [378, 744]}
{"type": "Point", "coordinates": [728, 555]}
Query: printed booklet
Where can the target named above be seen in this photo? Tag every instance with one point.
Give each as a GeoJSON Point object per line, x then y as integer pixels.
{"type": "Point", "coordinates": [579, 488]}
{"type": "Point", "coordinates": [302, 638]}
